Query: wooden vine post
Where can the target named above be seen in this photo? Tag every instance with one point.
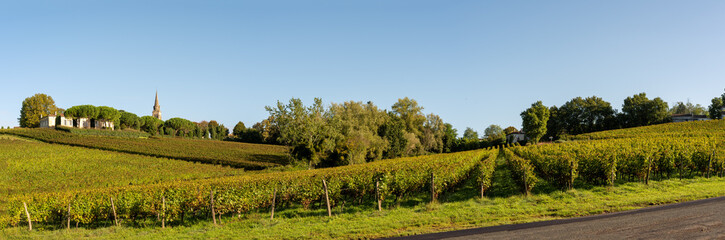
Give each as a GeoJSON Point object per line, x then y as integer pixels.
{"type": "Point", "coordinates": [432, 188]}
{"type": "Point", "coordinates": [709, 163]}
{"type": "Point", "coordinates": [526, 183]}
{"type": "Point", "coordinates": [163, 212]}
{"type": "Point", "coordinates": [30, 223]}
{"type": "Point", "coordinates": [113, 207]}
{"type": "Point", "coordinates": [327, 198]}
{"type": "Point", "coordinates": [68, 216]}
{"type": "Point", "coordinates": [482, 190]}
{"type": "Point", "coordinates": [213, 215]}
{"type": "Point", "coordinates": [274, 198]}
{"type": "Point", "coordinates": [377, 196]}
{"type": "Point", "coordinates": [649, 169]}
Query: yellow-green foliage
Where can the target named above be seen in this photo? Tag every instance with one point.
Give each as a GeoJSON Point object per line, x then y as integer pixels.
{"type": "Point", "coordinates": [243, 193]}
{"type": "Point", "coordinates": [521, 171]}
{"type": "Point", "coordinates": [682, 129]}
{"type": "Point", "coordinates": [242, 155]}
{"type": "Point", "coordinates": [601, 161]}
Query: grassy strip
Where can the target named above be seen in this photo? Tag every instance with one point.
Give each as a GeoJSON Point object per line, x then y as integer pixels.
{"type": "Point", "coordinates": [416, 216]}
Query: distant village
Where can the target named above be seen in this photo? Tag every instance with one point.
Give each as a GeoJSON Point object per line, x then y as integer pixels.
{"type": "Point", "coordinates": [59, 120]}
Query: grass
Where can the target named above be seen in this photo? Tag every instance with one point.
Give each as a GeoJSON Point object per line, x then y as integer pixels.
{"type": "Point", "coordinates": [459, 209]}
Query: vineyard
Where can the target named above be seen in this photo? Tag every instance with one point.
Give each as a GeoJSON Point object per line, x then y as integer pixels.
{"type": "Point", "coordinates": [240, 155]}
{"type": "Point", "coordinates": [663, 151]}
{"type": "Point", "coordinates": [668, 151]}
{"type": "Point", "coordinates": [34, 167]}
{"type": "Point", "coordinates": [188, 199]}
{"type": "Point", "coordinates": [98, 132]}
{"type": "Point", "coordinates": [683, 129]}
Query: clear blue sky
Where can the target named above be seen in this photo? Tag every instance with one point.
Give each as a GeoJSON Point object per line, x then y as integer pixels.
{"type": "Point", "coordinates": [474, 63]}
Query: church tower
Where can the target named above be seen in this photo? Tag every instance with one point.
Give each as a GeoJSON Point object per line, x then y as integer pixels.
{"type": "Point", "coordinates": [157, 109]}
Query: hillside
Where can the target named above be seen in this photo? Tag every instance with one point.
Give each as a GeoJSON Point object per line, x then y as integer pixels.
{"type": "Point", "coordinates": [240, 155]}
{"type": "Point", "coordinates": [621, 169]}
{"type": "Point", "coordinates": [681, 129]}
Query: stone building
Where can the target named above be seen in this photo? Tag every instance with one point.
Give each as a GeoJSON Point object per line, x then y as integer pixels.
{"type": "Point", "coordinates": [51, 120]}
{"type": "Point", "coordinates": [157, 109]}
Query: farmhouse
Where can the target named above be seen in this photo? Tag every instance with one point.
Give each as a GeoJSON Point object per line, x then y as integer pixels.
{"type": "Point", "coordinates": [53, 121]}
{"type": "Point", "coordinates": [515, 137]}
{"type": "Point", "coordinates": [688, 117]}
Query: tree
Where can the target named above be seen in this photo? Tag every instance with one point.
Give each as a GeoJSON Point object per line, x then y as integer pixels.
{"type": "Point", "coordinates": [638, 110]}
{"type": "Point", "coordinates": [434, 130]}
{"type": "Point", "coordinates": [129, 120]}
{"type": "Point", "coordinates": [581, 116]}
{"type": "Point", "coordinates": [408, 110]}
{"type": "Point", "coordinates": [393, 131]}
{"type": "Point", "coordinates": [355, 126]}
{"type": "Point", "coordinates": [82, 111]}
{"type": "Point", "coordinates": [304, 129]}
{"type": "Point", "coordinates": [449, 138]}
{"type": "Point", "coordinates": [534, 121]}
{"type": "Point", "coordinates": [108, 114]}
{"type": "Point", "coordinates": [494, 133]}
{"type": "Point", "coordinates": [715, 109]}
{"type": "Point", "coordinates": [151, 125]}
{"type": "Point", "coordinates": [470, 134]}
{"type": "Point", "coordinates": [238, 129]}
{"type": "Point", "coordinates": [510, 130]}
{"type": "Point", "coordinates": [34, 107]}
{"type": "Point", "coordinates": [179, 126]}
{"type": "Point", "coordinates": [687, 108]}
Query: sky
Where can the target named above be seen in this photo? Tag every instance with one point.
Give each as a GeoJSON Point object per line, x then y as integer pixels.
{"type": "Point", "coordinates": [473, 63]}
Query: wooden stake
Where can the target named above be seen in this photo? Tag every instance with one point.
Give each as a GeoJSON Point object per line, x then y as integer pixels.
{"type": "Point", "coordinates": [709, 163]}
{"type": "Point", "coordinates": [274, 198]}
{"type": "Point", "coordinates": [432, 188]}
{"type": "Point", "coordinates": [213, 215]}
{"type": "Point", "coordinates": [377, 195]}
{"type": "Point", "coordinates": [482, 190]}
{"type": "Point", "coordinates": [30, 223]}
{"type": "Point", "coordinates": [327, 199]}
{"type": "Point", "coordinates": [68, 216]}
{"type": "Point", "coordinates": [649, 169]}
{"type": "Point", "coordinates": [115, 217]}
{"type": "Point", "coordinates": [163, 212]}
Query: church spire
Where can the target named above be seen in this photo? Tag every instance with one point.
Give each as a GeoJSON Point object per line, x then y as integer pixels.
{"type": "Point", "coordinates": [157, 109]}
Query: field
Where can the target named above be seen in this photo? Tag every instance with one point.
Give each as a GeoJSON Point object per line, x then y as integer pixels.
{"type": "Point", "coordinates": [33, 167]}
{"type": "Point", "coordinates": [240, 155]}
{"type": "Point", "coordinates": [617, 170]}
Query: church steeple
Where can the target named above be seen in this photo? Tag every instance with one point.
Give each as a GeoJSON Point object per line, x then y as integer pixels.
{"type": "Point", "coordinates": [157, 109]}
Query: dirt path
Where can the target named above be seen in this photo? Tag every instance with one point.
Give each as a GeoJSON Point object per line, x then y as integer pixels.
{"type": "Point", "coordinates": [700, 219]}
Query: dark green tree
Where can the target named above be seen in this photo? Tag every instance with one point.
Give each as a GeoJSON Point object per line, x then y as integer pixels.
{"type": "Point", "coordinates": [715, 108]}
{"type": "Point", "coordinates": [151, 125]}
{"type": "Point", "coordinates": [239, 129]}
{"type": "Point", "coordinates": [534, 121]}
{"type": "Point", "coordinates": [639, 110]}
{"type": "Point", "coordinates": [129, 120]}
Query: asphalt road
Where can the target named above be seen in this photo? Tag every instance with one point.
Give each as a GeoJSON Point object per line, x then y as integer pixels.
{"type": "Point", "coordinates": [700, 219]}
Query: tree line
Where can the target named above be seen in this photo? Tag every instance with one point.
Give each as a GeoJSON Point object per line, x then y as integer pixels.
{"type": "Point", "coordinates": [356, 132]}
{"type": "Point", "coordinates": [591, 114]}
